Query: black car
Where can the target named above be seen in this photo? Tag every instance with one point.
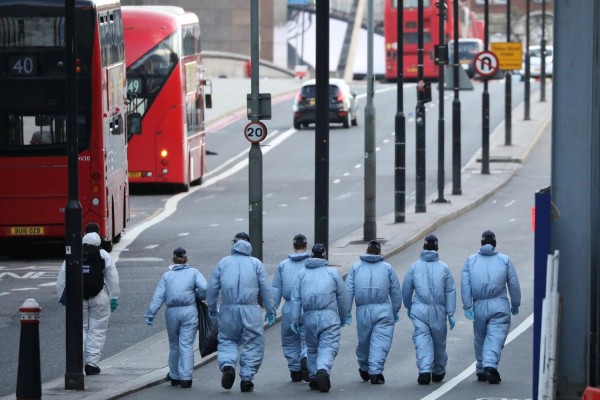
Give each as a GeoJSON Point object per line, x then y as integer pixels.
{"type": "Point", "coordinates": [343, 106]}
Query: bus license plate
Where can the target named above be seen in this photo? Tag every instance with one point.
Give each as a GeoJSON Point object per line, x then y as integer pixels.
{"type": "Point", "coordinates": [26, 230]}
{"type": "Point", "coordinates": [134, 174]}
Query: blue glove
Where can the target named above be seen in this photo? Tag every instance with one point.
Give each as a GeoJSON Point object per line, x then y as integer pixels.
{"type": "Point", "coordinates": [149, 321]}
{"type": "Point", "coordinates": [452, 321]}
{"type": "Point", "coordinates": [396, 318]}
{"type": "Point", "coordinates": [114, 303]}
{"type": "Point", "coordinates": [347, 321]}
{"type": "Point", "coordinates": [270, 318]}
{"type": "Point", "coordinates": [469, 314]}
{"type": "Point", "coordinates": [514, 310]}
{"type": "Point", "coordinates": [213, 314]}
{"type": "Point", "coordinates": [295, 327]}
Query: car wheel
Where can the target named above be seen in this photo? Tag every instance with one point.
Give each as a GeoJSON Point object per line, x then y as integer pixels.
{"type": "Point", "coordinates": [347, 121]}
{"type": "Point", "coordinates": [297, 125]}
{"type": "Point", "coordinates": [355, 120]}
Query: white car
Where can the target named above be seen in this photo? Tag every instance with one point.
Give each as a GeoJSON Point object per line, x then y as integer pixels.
{"type": "Point", "coordinates": [535, 61]}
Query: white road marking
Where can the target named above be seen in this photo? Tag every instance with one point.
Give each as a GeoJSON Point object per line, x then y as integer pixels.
{"type": "Point", "coordinates": [152, 246]}
{"type": "Point", "coordinates": [346, 174]}
{"type": "Point", "coordinates": [143, 259]}
{"type": "Point", "coordinates": [452, 383]}
{"type": "Point", "coordinates": [337, 180]}
{"type": "Point", "coordinates": [24, 289]}
{"type": "Point", "coordinates": [183, 234]}
{"type": "Point", "coordinates": [510, 203]}
{"type": "Point", "coordinates": [48, 284]}
{"type": "Point", "coordinates": [4, 293]}
{"type": "Point", "coordinates": [304, 198]}
{"type": "Point", "coordinates": [357, 166]}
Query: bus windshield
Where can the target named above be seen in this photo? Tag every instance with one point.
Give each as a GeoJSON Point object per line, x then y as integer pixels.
{"type": "Point", "coordinates": [32, 32]}
{"type": "Point", "coordinates": [146, 77]}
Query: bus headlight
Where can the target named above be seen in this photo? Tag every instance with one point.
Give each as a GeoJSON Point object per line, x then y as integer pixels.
{"type": "Point", "coordinates": [165, 171]}
{"type": "Point", "coordinates": [95, 201]}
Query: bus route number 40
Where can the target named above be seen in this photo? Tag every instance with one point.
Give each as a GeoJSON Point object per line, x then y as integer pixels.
{"type": "Point", "coordinates": [255, 132]}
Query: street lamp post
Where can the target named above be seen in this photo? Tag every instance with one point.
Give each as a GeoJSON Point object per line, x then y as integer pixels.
{"type": "Point", "coordinates": [441, 58]}
{"type": "Point", "coordinates": [370, 223]}
{"type": "Point", "coordinates": [456, 181]}
{"type": "Point", "coordinates": [420, 118]}
{"type": "Point", "coordinates": [400, 123]}
{"type": "Point", "coordinates": [485, 104]}
{"type": "Point", "coordinates": [543, 60]}
{"type": "Point", "coordinates": [527, 97]}
{"type": "Point", "coordinates": [508, 89]}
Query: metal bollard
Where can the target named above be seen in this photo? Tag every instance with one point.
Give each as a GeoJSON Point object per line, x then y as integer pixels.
{"type": "Point", "coordinates": [29, 381]}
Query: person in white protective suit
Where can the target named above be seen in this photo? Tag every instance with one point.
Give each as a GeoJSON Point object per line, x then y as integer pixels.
{"type": "Point", "coordinates": [485, 278]}
{"type": "Point", "coordinates": [100, 297]}
{"type": "Point", "coordinates": [292, 343]}
{"type": "Point", "coordinates": [319, 299]}
{"type": "Point", "coordinates": [429, 295]}
{"type": "Point", "coordinates": [239, 278]}
{"type": "Point", "coordinates": [178, 289]}
{"type": "Point", "coordinates": [373, 284]}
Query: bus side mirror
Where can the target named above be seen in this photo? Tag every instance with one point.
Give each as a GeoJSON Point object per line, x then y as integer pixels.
{"type": "Point", "coordinates": [135, 124]}
{"type": "Point", "coordinates": [208, 100]}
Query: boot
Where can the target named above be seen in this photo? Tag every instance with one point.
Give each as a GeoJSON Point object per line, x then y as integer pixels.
{"type": "Point", "coordinates": [323, 381]}
{"type": "Point", "coordinates": [481, 377]}
{"type": "Point", "coordinates": [492, 375]}
{"type": "Point", "coordinates": [377, 379]}
{"type": "Point", "coordinates": [364, 375]}
{"type": "Point", "coordinates": [438, 377]}
{"type": "Point", "coordinates": [424, 379]}
{"type": "Point", "coordinates": [228, 377]}
{"type": "Point", "coordinates": [91, 370]}
{"type": "Point", "coordinates": [174, 382]}
{"type": "Point", "coordinates": [186, 384]}
{"type": "Point", "coordinates": [246, 386]}
{"type": "Point", "coordinates": [304, 367]}
{"type": "Point", "coordinates": [296, 376]}
{"type": "Point", "coordinates": [312, 384]}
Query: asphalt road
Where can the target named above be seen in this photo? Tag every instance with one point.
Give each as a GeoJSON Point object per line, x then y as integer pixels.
{"type": "Point", "coordinates": [508, 213]}
{"type": "Point", "coordinates": [203, 221]}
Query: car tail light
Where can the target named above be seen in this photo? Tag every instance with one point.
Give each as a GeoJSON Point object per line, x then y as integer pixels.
{"type": "Point", "coordinates": [299, 98]}
{"type": "Point", "coordinates": [340, 97]}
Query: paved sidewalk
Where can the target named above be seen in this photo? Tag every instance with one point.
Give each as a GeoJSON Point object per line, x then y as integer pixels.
{"type": "Point", "coordinates": [145, 364]}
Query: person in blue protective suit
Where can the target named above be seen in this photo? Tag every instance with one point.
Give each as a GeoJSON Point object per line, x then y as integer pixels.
{"type": "Point", "coordinates": [319, 299]}
{"type": "Point", "coordinates": [101, 291]}
{"type": "Point", "coordinates": [240, 278]}
{"type": "Point", "coordinates": [485, 277]}
{"type": "Point", "coordinates": [373, 284]}
{"type": "Point", "coordinates": [429, 296]}
{"type": "Point", "coordinates": [178, 289]}
{"type": "Point", "coordinates": [292, 343]}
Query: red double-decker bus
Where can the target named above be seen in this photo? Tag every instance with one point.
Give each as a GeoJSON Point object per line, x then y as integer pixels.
{"type": "Point", "coordinates": [166, 86]}
{"type": "Point", "coordinates": [468, 27]}
{"type": "Point", "coordinates": [33, 123]}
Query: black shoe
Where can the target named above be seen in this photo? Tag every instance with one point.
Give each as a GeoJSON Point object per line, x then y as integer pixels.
{"type": "Point", "coordinates": [312, 384]}
{"type": "Point", "coordinates": [304, 367]}
{"type": "Point", "coordinates": [246, 386]}
{"type": "Point", "coordinates": [364, 375]}
{"type": "Point", "coordinates": [184, 384]}
{"type": "Point", "coordinates": [174, 382]}
{"type": "Point", "coordinates": [296, 376]}
{"type": "Point", "coordinates": [228, 377]}
{"type": "Point", "coordinates": [323, 381]}
{"type": "Point", "coordinates": [492, 375]}
{"type": "Point", "coordinates": [424, 379]}
{"type": "Point", "coordinates": [377, 379]}
{"type": "Point", "coordinates": [91, 370]}
{"type": "Point", "coordinates": [438, 377]}
{"type": "Point", "coordinates": [481, 377]}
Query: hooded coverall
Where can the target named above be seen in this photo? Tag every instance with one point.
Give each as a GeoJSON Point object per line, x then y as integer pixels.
{"type": "Point", "coordinates": [374, 285]}
{"type": "Point", "coordinates": [319, 298]}
{"type": "Point", "coordinates": [485, 277]}
{"type": "Point", "coordinates": [429, 294]}
{"type": "Point", "coordinates": [178, 289]}
{"type": "Point", "coordinates": [292, 343]}
{"type": "Point", "coordinates": [239, 278]}
{"type": "Point", "coordinates": [96, 310]}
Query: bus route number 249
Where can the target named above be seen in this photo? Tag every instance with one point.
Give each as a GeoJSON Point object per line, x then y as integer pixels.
{"type": "Point", "coordinates": [255, 132]}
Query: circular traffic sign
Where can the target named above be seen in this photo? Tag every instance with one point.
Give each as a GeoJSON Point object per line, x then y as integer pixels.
{"type": "Point", "coordinates": [255, 132]}
{"type": "Point", "coordinates": [486, 63]}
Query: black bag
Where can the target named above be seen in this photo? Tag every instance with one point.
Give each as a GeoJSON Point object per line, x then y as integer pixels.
{"type": "Point", "coordinates": [208, 329]}
{"type": "Point", "coordinates": [93, 271]}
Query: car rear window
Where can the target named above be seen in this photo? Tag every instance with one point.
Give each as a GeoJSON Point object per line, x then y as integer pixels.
{"type": "Point", "coordinates": [311, 90]}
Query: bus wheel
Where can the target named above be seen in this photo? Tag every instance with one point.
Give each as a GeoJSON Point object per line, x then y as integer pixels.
{"type": "Point", "coordinates": [108, 246]}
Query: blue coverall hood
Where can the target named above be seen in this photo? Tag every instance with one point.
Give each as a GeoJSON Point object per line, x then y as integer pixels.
{"type": "Point", "coordinates": [316, 262]}
{"type": "Point", "coordinates": [242, 247]}
{"type": "Point", "coordinates": [299, 256]}
{"type": "Point", "coordinates": [429, 255]}
{"type": "Point", "coordinates": [371, 258]}
{"type": "Point", "coordinates": [176, 267]}
{"type": "Point", "coordinates": [487, 250]}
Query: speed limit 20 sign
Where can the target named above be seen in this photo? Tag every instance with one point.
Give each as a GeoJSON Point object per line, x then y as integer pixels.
{"type": "Point", "coordinates": [255, 132]}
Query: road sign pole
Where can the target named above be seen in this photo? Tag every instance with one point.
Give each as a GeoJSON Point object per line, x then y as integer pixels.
{"type": "Point", "coordinates": [508, 89]}
{"type": "Point", "coordinates": [485, 105]}
{"type": "Point", "coordinates": [400, 124]}
{"type": "Point", "coordinates": [370, 220]}
{"type": "Point", "coordinates": [255, 156]}
{"type": "Point", "coordinates": [420, 118]}
{"type": "Point", "coordinates": [456, 164]}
